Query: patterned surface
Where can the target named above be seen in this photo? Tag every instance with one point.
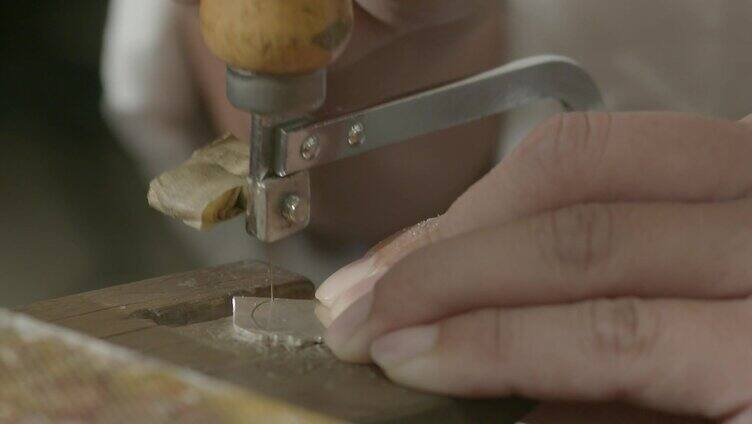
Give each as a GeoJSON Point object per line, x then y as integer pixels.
{"type": "Point", "coordinates": [52, 375]}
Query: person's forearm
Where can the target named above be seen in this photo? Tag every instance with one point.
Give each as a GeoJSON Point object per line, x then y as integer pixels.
{"type": "Point", "coordinates": [422, 13]}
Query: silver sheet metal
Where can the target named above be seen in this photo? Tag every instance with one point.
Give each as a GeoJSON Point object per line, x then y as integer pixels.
{"type": "Point", "coordinates": [290, 322]}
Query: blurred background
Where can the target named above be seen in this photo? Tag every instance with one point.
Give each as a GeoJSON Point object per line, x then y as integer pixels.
{"type": "Point", "coordinates": [74, 215]}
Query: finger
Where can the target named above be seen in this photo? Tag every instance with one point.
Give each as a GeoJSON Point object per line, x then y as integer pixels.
{"type": "Point", "coordinates": [677, 356]}
{"type": "Point", "coordinates": [324, 315]}
{"type": "Point", "coordinates": [598, 157]}
{"type": "Point", "coordinates": [576, 253]}
{"type": "Point", "coordinates": [352, 295]}
{"type": "Point", "coordinates": [747, 120]}
{"type": "Point", "coordinates": [375, 263]}
{"type": "Point", "coordinates": [581, 158]}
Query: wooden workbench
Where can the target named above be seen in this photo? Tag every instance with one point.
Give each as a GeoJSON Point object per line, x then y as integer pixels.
{"type": "Point", "coordinates": [185, 320]}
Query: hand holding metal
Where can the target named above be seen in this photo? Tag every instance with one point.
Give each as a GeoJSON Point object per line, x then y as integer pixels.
{"type": "Point", "coordinates": [283, 149]}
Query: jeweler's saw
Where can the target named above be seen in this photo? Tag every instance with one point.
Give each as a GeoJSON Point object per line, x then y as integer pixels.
{"type": "Point", "coordinates": [280, 82]}
{"type": "Point", "coordinates": [277, 71]}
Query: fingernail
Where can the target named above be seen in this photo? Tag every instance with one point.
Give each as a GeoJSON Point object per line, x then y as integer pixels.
{"type": "Point", "coordinates": [324, 315]}
{"type": "Point", "coordinates": [344, 279]}
{"type": "Point", "coordinates": [404, 345]}
{"type": "Point", "coordinates": [342, 334]}
{"type": "Point", "coordinates": [346, 299]}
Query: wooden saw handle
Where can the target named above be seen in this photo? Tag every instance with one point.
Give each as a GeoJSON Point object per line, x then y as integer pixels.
{"type": "Point", "coordinates": [278, 37]}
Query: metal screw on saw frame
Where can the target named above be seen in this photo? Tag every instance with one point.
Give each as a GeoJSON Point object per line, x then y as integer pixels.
{"type": "Point", "coordinates": [310, 148]}
{"type": "Point", "coordinates": [292, 209]}
{"type": "Point", "coordinates": [357, 135]}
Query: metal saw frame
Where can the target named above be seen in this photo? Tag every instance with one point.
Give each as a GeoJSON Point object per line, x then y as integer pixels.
{"type": "Point", "coordinates": [284, 149]}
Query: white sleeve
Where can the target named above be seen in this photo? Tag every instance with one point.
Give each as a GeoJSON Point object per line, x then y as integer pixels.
{"type": "Point", "coordinates": [149, 96]}
{"type": "Point", "coordinates": [686, 55]}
